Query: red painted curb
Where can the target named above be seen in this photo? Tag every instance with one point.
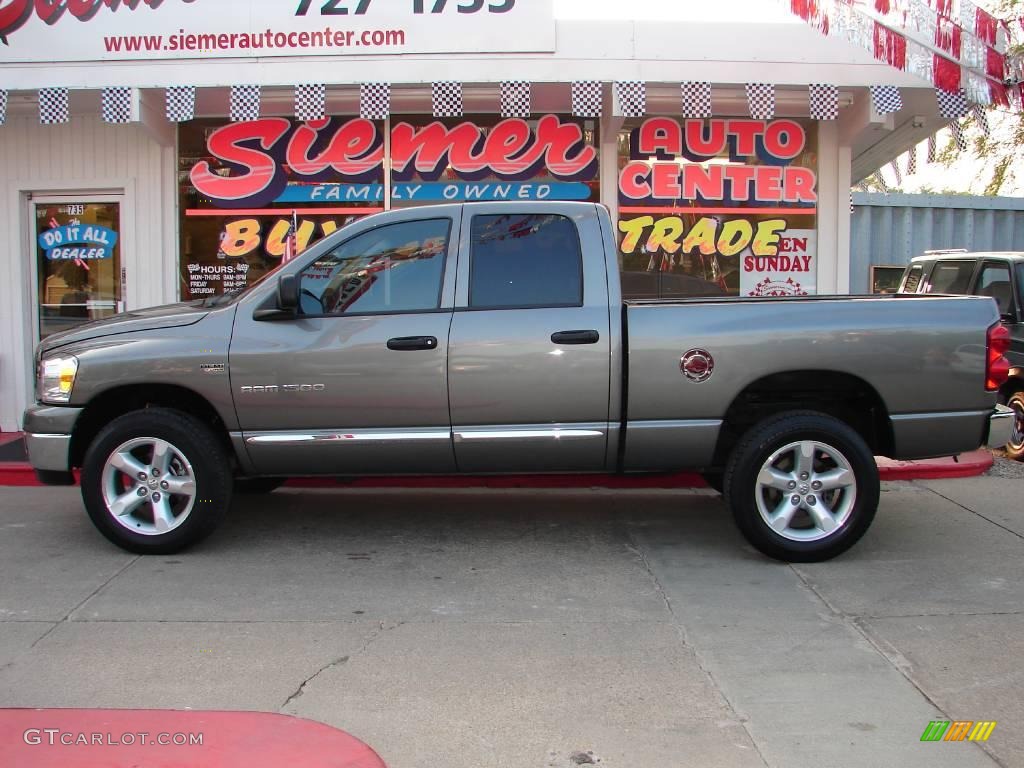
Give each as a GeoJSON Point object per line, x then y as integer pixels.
{"type": "Point", "coordinates": [968, 465]}
{"type": "Point", "coordinates": [112, 738]}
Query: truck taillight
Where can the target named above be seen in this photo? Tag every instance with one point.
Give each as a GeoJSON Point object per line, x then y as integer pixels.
{"type": "Point", "coordinates": [997, 367]}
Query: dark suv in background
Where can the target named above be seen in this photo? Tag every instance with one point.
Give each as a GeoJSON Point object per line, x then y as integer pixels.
{"type": "Point", "coordinates": [999, 275]}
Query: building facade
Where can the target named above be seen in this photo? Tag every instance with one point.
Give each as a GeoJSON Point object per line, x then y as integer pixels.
{"type": "Point", "coordinates": [161, 152]}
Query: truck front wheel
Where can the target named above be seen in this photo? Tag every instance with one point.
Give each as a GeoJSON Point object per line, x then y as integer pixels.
{"type": "Point", "coordinates": [156, 481]}
{"type": "Point", "coordinates": [802, 486]}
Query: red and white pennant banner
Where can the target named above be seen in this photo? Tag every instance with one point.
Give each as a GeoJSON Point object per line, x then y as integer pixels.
{"type": "Point", "coordinates": [953, 44]}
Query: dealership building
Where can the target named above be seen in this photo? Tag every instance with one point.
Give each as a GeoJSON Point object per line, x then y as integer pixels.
{"type": "Point", "coordinates": [156, 152]}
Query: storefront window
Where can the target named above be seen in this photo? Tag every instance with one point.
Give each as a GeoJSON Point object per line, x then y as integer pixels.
{"type": "Point", "coordinates": [79, 263]}
{"type": "Point", "coordinates": [717, 207]}
{"type": "Point", "coordinates": [487, 158]}
{"type": "Point", "coordinates": [243, 184]}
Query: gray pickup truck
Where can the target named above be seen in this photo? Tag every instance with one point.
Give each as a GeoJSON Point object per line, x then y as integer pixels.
{"type": "Point", "coordinates": [493, 338]}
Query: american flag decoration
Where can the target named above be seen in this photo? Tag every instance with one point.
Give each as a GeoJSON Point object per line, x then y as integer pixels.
{"type": "Point", "coordinates": [586, 98]}
{"type": "Point", "coordinates": [53, 106]}
{"type": "Point", "coordinates": [912, 161]}
{"type": "Point", "coordinates": [245, 103]}
{"type": "Point", "coordinates": [824, 101]}
{"type": "Point", "coordinates": [375, 101]}
{"type": "Point", "coordinates": [116, 105]}
{"type": "Point", "coordinates": [981, 118]}
{"type": "Point", "coordinates": [761, 100]}
{"type": "Point", "coordinates": [932, 148]}
{"type": "Point", "coordinates": [447, 98]}
{"type": "Point", "coordinates": [630, 98]}
{"type": "Point", "coordinates": [951, 44]}
{"type": "Point", "coordinates": [952, 105]}
{"type": "Point", "coordinates": [886, 99]}
{"type": "Point", "coordinates": [291, 245]}
{"type": "Point", "coordinates": [181, 103]}
{"type": "Point", "coordinates": [696, 99]}
{"type": "Point", "coordinates": [516, 98]}
{"type": "Point", "coordinates": [310, 101]}
{"type": "Point", "coordinates": [3, 106]}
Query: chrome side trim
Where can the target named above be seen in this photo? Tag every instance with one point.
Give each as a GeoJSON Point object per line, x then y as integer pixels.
{"type": "Point", "coordinates": [532, 432]}
{"type": "Point", "coordinates": [909, 417]}
{"type": "Point", "coordinates": [337, 437]}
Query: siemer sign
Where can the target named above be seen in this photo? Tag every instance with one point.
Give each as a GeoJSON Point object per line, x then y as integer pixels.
{"type": "Point", "coordinates": [95, 30]}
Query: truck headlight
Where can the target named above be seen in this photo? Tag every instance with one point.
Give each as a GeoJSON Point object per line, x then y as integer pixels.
{"type": "Point", "coordinates": [57, 378]}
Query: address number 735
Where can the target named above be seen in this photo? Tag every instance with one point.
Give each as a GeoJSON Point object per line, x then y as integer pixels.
{"type": "Point", "coordinates": [360, 7]}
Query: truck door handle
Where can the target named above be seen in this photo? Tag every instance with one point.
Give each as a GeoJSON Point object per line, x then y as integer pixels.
{"type": "Point", "coordinates": [576, 337]}
{"type": "Point", "coordinates": [407, 343]}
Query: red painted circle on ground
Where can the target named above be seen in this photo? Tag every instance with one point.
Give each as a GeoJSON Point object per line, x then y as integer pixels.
{"type": "Point", "coordinates": [115, 738]}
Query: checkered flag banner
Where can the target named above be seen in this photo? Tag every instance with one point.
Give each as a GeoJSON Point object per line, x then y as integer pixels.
{"type": "Point", "coordinates": [761, 100]}
{"type": "Point", "coordinates": [181, 103]}
{"type": "Point", "coordinates": [895, 167]}
{"type": "Point", "coordinates": [932, 149]}
{"type": "Point", "coordinates": [3, 106]}
{"type": "Point", "coordinates": [824, 101]}
{"type": "Point", "coordinates": [851, 202]}
{"type": "Point", "coordinates": [696, 99]}
{"type": "Point", "coordinates": [53, 106]}
{"type": "Point", "coordinates": [447, 98]}
{"type": "Point", "coordinates": [958, 135]}
{"type": "Point", "coordinates": [886, 99]}
{"type": "Point", "coordinates": [631, 98]}
{"type": "Point", "coordinates": [981, 118]}
{"type": "Point", "coordinates": [952, 104]}
{"type": "Point", "coordinates": [245, 103]}
{"type": "Point", "coordinates": [586, 98]}
{"type": "Point", "coordinates": [912, 161]}
{"type": "Point", "coordinates": [117, 105]}
{"type": "Point", "coordinates": [516, 98]}
{"type": "Point", "coordinates": [310, 101]}
{"type": "Point", "coordinates": [375, 101]}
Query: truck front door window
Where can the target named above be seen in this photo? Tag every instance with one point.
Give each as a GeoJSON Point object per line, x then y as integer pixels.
{"type": "Point", "coordinates": [525, 260]}
{"type": "Point", "coordinates": [397, 268]}
{"type": "Point", "coordinates": [995, 281]}
{"type": "Point", "coordinates": [951, 277]}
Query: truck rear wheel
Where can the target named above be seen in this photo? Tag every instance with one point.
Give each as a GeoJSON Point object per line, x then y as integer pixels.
{"type": "Point", "coordinates": [156, 481]}
{"type": "Point", "coordinates": [802, 486]}
{"type": "Point", "coordinates": [1015, 448]}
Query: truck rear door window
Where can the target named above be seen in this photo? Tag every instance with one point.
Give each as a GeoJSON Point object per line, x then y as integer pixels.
{"type": "Point", "coordinates": [394, 268]}
{"type": "Point", "coordinates": [951, 277]}
{"type": "Point", "coordinates": [525, 260]}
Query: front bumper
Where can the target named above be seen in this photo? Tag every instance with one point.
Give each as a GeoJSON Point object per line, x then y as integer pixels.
{"type": "Point", "coordinates": [1000, 427]}
{"type": "Point", "coordinates": [48, 432]}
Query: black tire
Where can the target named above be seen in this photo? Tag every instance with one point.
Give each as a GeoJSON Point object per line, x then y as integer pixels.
{"type": "Point", "coordinates": [258, 485]}
{"type": "Point", "coordinates": [715, 480]}
{"type": "Point", "coordinates": [1015, 448]}
{"type": "Point", "coordinates": [855, 506]}
{"type": "Point", "coordinates": [197, 457]}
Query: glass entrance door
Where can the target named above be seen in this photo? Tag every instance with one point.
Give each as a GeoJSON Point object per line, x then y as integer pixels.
{"type": "Point", "coordinates": [78, 261]}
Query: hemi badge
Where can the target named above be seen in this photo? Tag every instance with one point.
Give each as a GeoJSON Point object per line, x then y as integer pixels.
{"type": "Point", "coordinates": [212, 367]}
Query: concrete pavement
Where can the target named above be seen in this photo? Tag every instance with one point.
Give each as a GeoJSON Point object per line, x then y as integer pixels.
{"type": "Point", "coordinates": [545, 628]}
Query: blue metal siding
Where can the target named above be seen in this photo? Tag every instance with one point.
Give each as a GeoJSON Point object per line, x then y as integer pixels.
{"type": "Point", "coordinates": [891, 229]}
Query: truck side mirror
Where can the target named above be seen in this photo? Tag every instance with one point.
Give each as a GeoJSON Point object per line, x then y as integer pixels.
{"type": "Point", "coordinates": [288, 293]}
